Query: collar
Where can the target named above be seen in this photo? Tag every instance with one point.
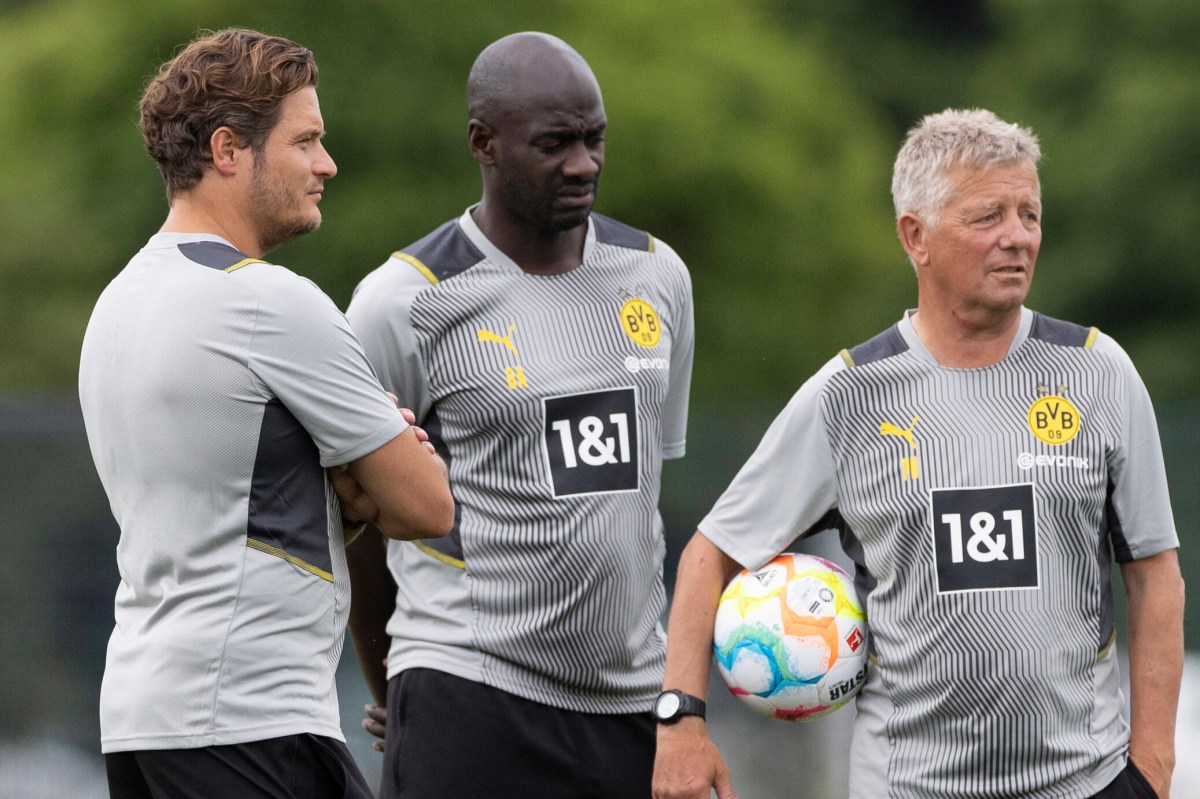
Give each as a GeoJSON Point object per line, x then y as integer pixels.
{"type": "Point", "coordinates": [909, 334]}
{"type": "Point", "coordinates": [466, 223]}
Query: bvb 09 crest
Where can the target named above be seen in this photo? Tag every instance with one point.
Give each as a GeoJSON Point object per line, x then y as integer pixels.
{"type": "Point", "coordinates": [640, 322]}
{"type": "Point", "coordinates": [1053, 418]}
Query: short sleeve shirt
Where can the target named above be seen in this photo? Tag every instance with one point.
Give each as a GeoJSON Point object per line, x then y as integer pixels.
{"type": "Point", "coordinates": [554, 399]}
{"type": "Point", "coordinates": [982, 509]}
{"type": "Point", "coordinates": [215, 388]}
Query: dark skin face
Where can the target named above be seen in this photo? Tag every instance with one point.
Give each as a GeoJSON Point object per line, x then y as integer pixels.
{"type": "Point", "coordinates": [541, 153]}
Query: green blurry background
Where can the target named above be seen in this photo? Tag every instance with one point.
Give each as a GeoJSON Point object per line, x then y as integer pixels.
{"type": "Point", "coordinates": [755, 136]}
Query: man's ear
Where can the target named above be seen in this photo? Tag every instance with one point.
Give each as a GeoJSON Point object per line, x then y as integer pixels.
{"type": "Point", "coordinates": [482, 140]}
{"type": "Point", "coordinates": [914, 237]}
{"type": "Point", "coordinates": [226, 155]}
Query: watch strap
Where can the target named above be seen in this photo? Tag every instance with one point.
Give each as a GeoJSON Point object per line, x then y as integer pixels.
{"type": "Point", "coordinates": [688, 706]}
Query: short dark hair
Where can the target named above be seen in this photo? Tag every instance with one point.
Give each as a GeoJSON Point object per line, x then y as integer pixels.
{"type": "Point", "coordinates": [234, 77]}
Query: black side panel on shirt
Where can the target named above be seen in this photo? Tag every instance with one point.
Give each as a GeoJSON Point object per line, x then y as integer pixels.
{"type": "Point", "coordinates": [1056, 331]}
{"type": "Point", "coordinates": [610, 231]}
{"type": "Point", "coordinates": [212, 254]}
{"type": "Point", "coordinates": [1111, 535]}
{"type": "Point", "coordinates": [446, 251]}
{"type": "Point", "coordinates": [451, 544]}
{"type": "Point", "coordinates": [287, 492]}
{"type": "Point", "coordinates": [883, 345]}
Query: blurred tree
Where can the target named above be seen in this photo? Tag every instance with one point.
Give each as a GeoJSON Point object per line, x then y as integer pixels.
{"type": "Point", "coordinates": [741, 146]}
{"type": "Point", "coordinates": [1113, 91]}
{"type": "Point", "coordinates": [1113, 88]}
{"type": "Point", "coordinates": [754, 137]}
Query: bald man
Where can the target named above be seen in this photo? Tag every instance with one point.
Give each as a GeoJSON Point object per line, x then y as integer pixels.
{"type": "Point", "coordinates": [547, 350]}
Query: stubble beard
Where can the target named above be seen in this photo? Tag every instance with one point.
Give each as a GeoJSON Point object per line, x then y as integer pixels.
{"type": "Point", "coordinates": [527, 203]}
{"type": "Point", "coordinates": [277, 218]}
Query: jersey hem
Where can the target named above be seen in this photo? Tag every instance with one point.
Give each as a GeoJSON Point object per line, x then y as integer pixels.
{"type": "Point", "coordinates": [461, 668]}
{"type": "Point", "coordinates": [1148, 549]}
{"type": "Point", "coordinates": [181, 740]}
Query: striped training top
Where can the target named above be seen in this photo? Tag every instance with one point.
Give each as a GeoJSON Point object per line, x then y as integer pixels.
{"type": "Point", "coordinates": [554, 399]}
{"type": "Point", "coordinates": [982, 508]}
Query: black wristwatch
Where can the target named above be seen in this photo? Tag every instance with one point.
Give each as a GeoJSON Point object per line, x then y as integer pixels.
{"type": "Point", "coordinates": [671, 706]}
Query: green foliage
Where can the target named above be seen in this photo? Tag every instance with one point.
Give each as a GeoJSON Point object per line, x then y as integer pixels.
{"type": "Point", "coordinates": [1113, 89]}
{"type": "Point", "coordinates": [754, 137]}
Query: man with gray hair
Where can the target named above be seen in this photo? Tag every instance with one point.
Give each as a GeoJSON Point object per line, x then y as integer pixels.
{"type": "Point", "coordinates": [983, 543]}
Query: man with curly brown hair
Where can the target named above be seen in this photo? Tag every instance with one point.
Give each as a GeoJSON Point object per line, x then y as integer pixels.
{"type": "Point", "coordinates": [217, 390]}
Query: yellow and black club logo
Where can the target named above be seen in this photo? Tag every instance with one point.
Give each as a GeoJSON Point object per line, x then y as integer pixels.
{"type": "Point", "coordinates": [640, 322]}
{"type": "Point", "coordinates": [1054, 419]}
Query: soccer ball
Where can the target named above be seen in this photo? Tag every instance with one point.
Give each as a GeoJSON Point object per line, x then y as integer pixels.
{"type": "Point", "coordinates": [790, 638]}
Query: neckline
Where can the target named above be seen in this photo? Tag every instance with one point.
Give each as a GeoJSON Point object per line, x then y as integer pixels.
{"type": "Point", "coordinates": [467, 224]}
{"type": "Point", "coordinates": [917, 346]}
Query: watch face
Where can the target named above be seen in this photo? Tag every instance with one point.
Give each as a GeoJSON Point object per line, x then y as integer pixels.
{"type": "Point", "coordinates": [667, 705]}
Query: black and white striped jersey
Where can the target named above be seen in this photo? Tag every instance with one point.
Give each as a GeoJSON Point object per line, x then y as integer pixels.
{"type": "Point", "coordinates": [982, 508]}
{"type": "Point", "coordinates": [554, 399]}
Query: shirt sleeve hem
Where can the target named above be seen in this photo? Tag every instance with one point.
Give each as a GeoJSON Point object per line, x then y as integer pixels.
{"type": "Point", "coordinates": [1145, 550]}
{"type": "Point", "coordinates": [366, 446]}
{"type": "Point", "coordinates": [723, 542]}
{"type": "Point", "coordinates": [672, 452]}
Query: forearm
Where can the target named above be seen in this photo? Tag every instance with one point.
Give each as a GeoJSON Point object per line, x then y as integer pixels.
{"type": "Point", "coordinates": [1155, 624]}
{"type": "Point", "coordinates": [703, 572]}
{"type": "Point", "coordinates": [373, 597]}
{"type": "Point", "coordinates": [687, 765]}
{"type": "Point", "coordinates": [408, 487]}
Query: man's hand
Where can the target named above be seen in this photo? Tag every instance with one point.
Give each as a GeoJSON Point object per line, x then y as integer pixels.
{"type": "Point", "coordinates": [687, 764]}
{"type": "Point", "coordinates": [376, 724]}
{"type": "Point", "coordinates": [1159, 776]}
{"type": "Point", "coordinates": [357, 505]}
{"type": "Point", "coordinates": [411, 418]}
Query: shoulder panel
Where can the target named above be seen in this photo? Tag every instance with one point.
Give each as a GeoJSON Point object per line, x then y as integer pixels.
{"type": "Point", "coordinates": [216, 255]}
{"type": "Point", "coordinates": [618, 234]}
{"type": "Point", "coordinates": [883, 345]}
{"type": "Point", "coordinates": [1066, 334]}
{"type": "Point", "coordinates": [443, 253]}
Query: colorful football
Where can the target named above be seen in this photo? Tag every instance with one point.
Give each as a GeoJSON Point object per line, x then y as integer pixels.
{"type": "Point", "coordinates": [790, 638]}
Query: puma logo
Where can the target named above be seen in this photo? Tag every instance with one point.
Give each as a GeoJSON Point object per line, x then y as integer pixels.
{"type": "Point", "coordinates": [487, 335]}
{"type": "Point", "coordinates": [514, 376]}
{"type": "Point", "coordinates": [910, 467]}
{"type": "Point", "coordinates": [889, 429]}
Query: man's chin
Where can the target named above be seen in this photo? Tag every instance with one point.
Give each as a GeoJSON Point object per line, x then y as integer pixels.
{"type": "Point", "coordinates": [284, 233]}
{"type": "Point", "coordinates": [569, 220]}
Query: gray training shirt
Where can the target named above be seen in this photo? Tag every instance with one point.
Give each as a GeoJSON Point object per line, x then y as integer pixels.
{"type": "Point", "coordinates": [554, 398]}
{"type": "Point", "coordinates": [982, 508]}
{"type": "Point", "coordinates": [215, 388]}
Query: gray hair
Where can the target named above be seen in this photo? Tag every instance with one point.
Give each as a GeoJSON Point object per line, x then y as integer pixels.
{"type": "Point", "coordinates": [940, 142]}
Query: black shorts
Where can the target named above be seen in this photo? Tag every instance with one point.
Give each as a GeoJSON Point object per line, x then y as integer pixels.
{"type": "Point", "coordinates": [450, 737]}
{"type": "Point", "coordinates": [293, 767]}
{"type": "Point", "coordinates": [1129, 784]}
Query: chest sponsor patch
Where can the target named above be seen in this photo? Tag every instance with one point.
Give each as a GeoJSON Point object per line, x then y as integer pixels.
{"type": "Point", "coordinates": [984, 538]}
{"type": "Point", "coordinates": [591, 442]}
